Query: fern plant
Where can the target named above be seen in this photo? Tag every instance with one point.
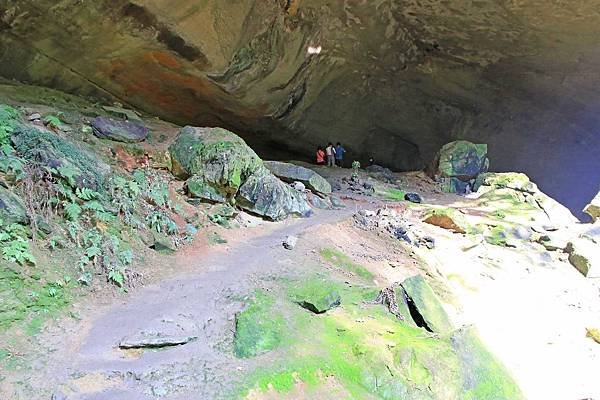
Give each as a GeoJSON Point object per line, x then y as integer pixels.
{"type": "Point", "coordinates": [14, 244]}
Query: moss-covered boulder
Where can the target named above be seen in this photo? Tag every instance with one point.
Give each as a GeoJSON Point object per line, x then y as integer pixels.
{"type": "Point", "coordinates": [457, 165]}
{"type": "Point", "coordinates": [265, 195]}
{"type": "Point", "coordinates": [258, 328]}
{"type": "Point", "coordinates": [428, 311]}
{"type": "Point", "coordinates": [216, 156]}
{"type": "Point", "coordinates": [526, 197]}
{"type": "Point", "coordinates": [317, 295]}
{"type": "Point", "coordinates": [53, 151]}
{"type": "Point", "coordinates": [198, 188]}
{"type": "Point", "coordinates": [294, 173]}
{"type": "Point", "coordinates": [12, 209]}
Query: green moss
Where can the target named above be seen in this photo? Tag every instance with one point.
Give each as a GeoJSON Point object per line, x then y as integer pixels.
{"type": "Point", "coordinates": [496, 235]}
{"type": "Point", "coordinates": [259, 327]}
{"type": "Point", "coordinates": [343, 262]}
{"type": "Point", "coordinates": [219, 157]}
{"type": "Point", "coordinates": [371, 354]}
{"type": "Point", "coordinates": [316, 294]}
{"type": "Point", "coordinates": [428, 304]}
{"type": "Point", "coordinates": [483, 376]}
{"type": "Point", "coordinates": [393, 194]}
{"type": "Point", "coordinates": [28, 300]}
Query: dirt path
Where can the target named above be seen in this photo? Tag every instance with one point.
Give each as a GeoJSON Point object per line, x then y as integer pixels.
{"type": "Point", "coordinates": [202, 305]}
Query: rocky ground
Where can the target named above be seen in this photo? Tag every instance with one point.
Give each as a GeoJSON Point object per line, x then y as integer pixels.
{"type": "Point", "coordinates": [371, 296]}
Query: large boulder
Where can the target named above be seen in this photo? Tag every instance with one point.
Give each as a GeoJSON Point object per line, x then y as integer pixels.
{"type": "Point", "coordinates": [12, 209]}
{"type": "Point", "coordinates": [50, 150]}
{"type": "Point", "coordinates": [265, 195]}
{"type": "Point", "coordinates": [593, 208]}
{"type": "Point", "coordinates": [457, 164]}
{"type": "Point", "coordinates": [215, 157]}
{"type": "Point", "coordinates": [428, 311]}
{"type": "Point", "coordinates": [515, 193]}
{"type": "Point", "coordinates": [119, 130]}
{"type": "Point", "coordinates": [295, 173]}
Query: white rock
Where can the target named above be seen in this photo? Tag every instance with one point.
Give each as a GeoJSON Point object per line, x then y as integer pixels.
{"type": "Point", "coordinates": [290, 242]}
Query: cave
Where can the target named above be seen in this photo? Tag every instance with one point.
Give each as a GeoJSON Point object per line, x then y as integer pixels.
{"type": "Point", "coordinates": [392, 80]}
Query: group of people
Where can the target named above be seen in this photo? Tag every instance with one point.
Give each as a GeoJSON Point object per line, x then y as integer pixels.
{"type": "Point", "coordinates": [331, 155]}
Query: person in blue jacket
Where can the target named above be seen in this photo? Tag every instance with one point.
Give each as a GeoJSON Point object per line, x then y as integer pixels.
{"type": "Point", "coordinates": [339, 154]}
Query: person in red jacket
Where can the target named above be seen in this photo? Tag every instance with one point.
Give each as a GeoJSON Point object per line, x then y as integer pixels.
{"type": "Point", "coordinates": [320, 156]}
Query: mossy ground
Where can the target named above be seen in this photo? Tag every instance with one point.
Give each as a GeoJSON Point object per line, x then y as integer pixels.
{"type": "Point", "coordinates": [392, 194]}
{"type": "Point", "coordinates": [344, 263]}
{"type": "Point", "coordinates": [363, 348]}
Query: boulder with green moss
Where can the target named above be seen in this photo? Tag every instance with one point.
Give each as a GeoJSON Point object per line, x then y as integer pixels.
{"type": "Point", "coordinates": [525, 195]}
{"type": "Point", "coordinates": [215, 156]}
{"type": "Point", "coordinates": [457, 165]}
{"type": "Point", "coordinates": [317, 295]}
{"type": "Point", "coordinates": [12, 209]}
{"type": "Point", "coordinates": [428, 310]}
{"type": "Point", "coordinates": [265, 195]}
{"type": "Point", "coordinates": [294, 173]}
{"type": "Point", "coordinates": [53, 151]}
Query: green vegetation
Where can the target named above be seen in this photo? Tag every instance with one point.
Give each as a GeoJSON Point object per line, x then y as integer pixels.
{"type": "Point", "coordinates": [30, 298]}
{"type": "Point", "coordinates": [14, 244]}
{"type": "Point", "coordinates": [393, 194]}
{"type": "Point", "coordinates": [371, 354]}
{"type": "Point", "coordinates": [345, 263]}
{"type": "Point", "coordinates": [259, 327]}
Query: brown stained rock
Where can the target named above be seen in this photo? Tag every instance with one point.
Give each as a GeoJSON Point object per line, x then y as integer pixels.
{"type": "Point", "coordinates": [447, 219]}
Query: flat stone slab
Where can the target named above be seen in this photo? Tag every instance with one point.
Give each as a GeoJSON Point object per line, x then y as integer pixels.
{"type": "Point", "coordinates": [120, 131]}
{"type": "Point", "coordinates": [154, 340]}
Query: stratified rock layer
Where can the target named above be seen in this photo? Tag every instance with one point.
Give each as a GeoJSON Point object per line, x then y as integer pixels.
{"type": "Point", "coordinates": [394, 80]}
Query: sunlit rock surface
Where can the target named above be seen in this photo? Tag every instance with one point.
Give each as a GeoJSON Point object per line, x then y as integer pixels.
{"type": "Point", "coordinates": [393, 80]}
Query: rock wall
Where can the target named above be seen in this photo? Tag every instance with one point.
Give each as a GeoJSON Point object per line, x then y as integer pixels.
{"type": "Point", "coordinates": [394, 79]}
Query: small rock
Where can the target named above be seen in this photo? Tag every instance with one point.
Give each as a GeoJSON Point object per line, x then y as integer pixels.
{"type": "Point", "coordinates": [58, 396]}
{"type": "Point", "coordinates": [413, 198]}
{"type": "Point", "coordinates": [367, 213]}
{"type": "Point", "coordinates": [34, 116]}
{"type": "Point", "coordinates": [337, 203]}
{"type": "Point", "coordinates": [290, 242]}
{"type": "Point", "coordinates": [299, 186]}
{"type": "Point", "coordinates": [583, 256]}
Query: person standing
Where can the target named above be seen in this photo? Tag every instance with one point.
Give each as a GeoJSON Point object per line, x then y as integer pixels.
{"type": "Point", "coordinates": [339, 154]}
{"type": "Point", "coordinates": [320, 156]}
{"type": "Point", "coordinates": [330, 151]}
